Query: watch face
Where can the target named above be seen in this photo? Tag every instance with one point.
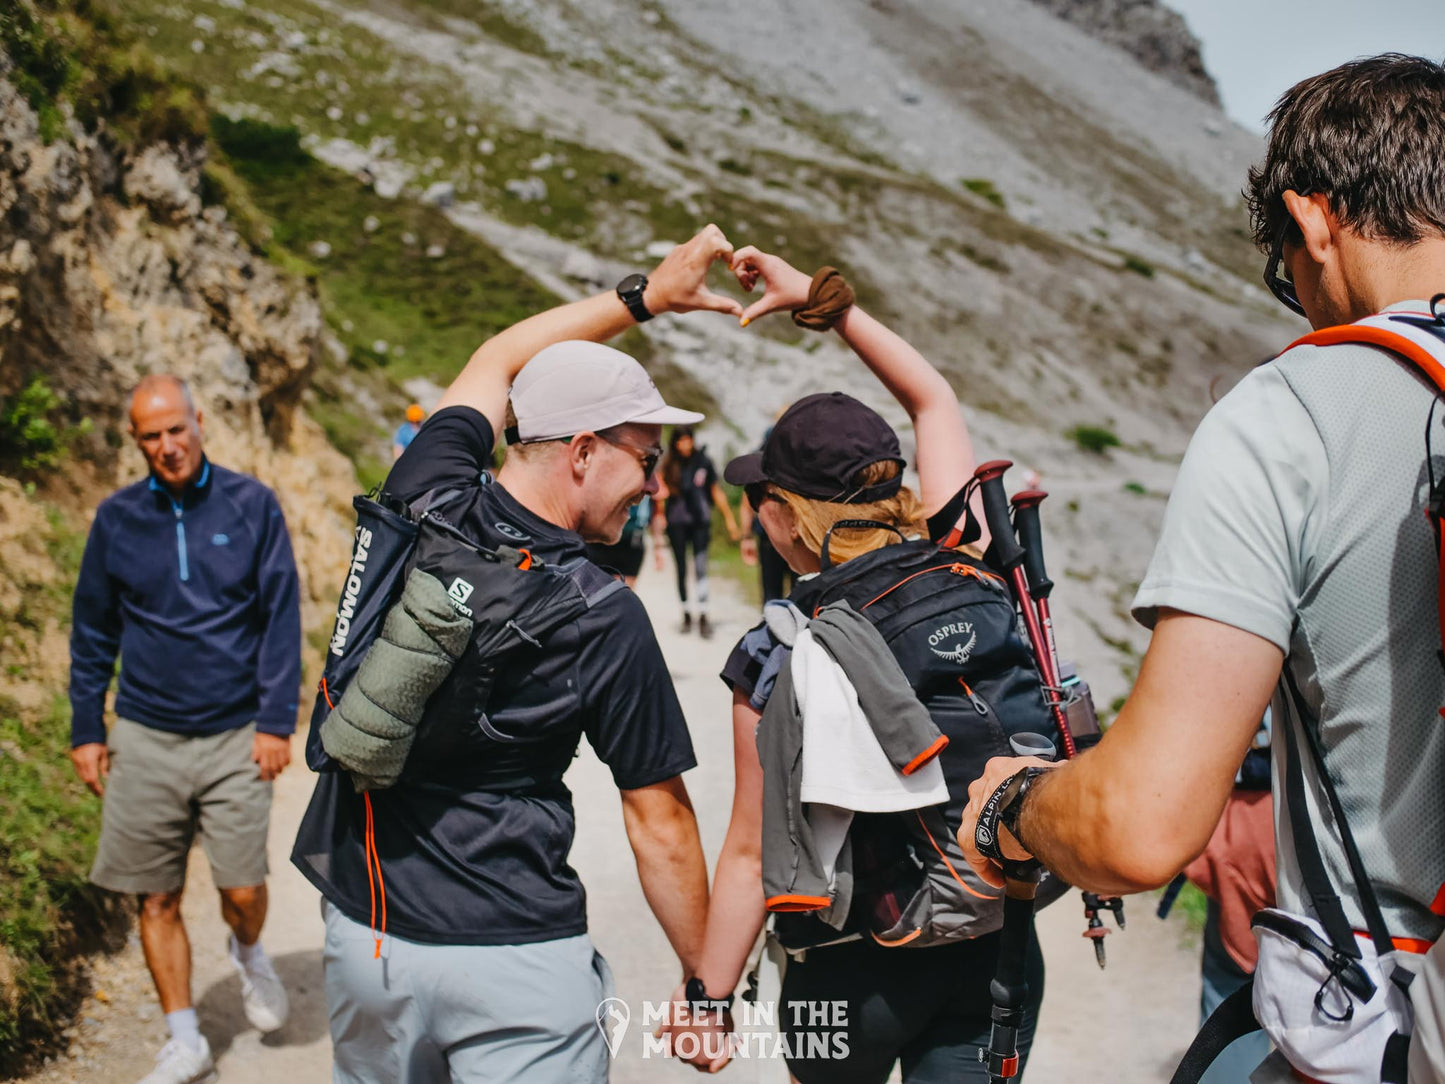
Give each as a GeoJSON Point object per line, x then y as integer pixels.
{"type": "Point", "coordinates": [632, 284]}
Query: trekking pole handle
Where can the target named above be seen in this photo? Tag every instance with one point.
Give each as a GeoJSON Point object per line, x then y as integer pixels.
{"type": "Point", "coordinates": [1005, 546]}
{"type": "Point", "coordinates": [1031, 537]}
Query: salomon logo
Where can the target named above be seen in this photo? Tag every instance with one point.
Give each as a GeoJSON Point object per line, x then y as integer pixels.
{"type": "Point", "coordinates": [347, 610]}
{"type": "Point", "coordinates": [457, 595]}
{"type": "Point", "coordinates": [954, 642]}
{"type": "Point", "coordinates": [512, 532]}
{"type": "Point", "coordinates": [220, 539]}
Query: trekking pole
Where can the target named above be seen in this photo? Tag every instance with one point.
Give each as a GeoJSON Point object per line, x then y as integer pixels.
{"type": "Point", "coordinates": [1031, 538]}
{"type": "Point", "coordinates": [1010, 986]}
{"type": "Point", "coordinates": [1010, 557]}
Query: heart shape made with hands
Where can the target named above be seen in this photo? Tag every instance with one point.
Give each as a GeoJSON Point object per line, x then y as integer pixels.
{"type": "Point", "coordinates": [784, 286]}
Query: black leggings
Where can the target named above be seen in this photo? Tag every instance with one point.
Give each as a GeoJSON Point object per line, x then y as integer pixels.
{"type": "Point", "coordinates": [928, 1008]}
{"type": "Point", "coordinates": [680, 536]}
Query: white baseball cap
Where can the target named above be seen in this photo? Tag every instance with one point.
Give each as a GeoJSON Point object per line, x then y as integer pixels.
{"type": "Point", "coordinates": [575, 386]}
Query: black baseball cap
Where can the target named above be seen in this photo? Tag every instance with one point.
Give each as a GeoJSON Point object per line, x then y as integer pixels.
{"type": "Point", "coordinates": [818, 447]}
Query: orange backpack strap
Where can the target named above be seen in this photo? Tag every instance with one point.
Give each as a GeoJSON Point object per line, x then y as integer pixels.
{"type": "Point", "coordinates": [1393, 341]}
{"type": "Point", "coordinates": [1431, 364]}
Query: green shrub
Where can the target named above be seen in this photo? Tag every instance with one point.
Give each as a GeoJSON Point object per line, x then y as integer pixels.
{"type": "Point", "coordinates": [1139, 266]}
{"type": "Point", "coordinates": [49, 911]}
{"type": "Point", "coordinates": [984, 189]}
{"type": "Point", "coordinates": [1136, 488]}
{"type": "Point", "coordinates": [30, 436]}
{"type": "Point", "coordinates": [1093, 438]}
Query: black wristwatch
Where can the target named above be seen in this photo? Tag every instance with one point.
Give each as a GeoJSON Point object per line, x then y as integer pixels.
{"type": "Point", "coordinates": [696, 993]}
{"type": "Point", "coordinates": [630, 290]}
{"type": "Point", "coordinates": [1003, 808]}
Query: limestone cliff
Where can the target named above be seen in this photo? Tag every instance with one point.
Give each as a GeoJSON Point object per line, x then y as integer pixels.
{"type": "Point", "coordinates": [1151, 33]}
{"type": "Point", "coordinates": [110, 268]}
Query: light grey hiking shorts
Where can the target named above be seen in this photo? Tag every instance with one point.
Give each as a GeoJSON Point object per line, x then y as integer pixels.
{"type": "Point", "coordinates": [469, 1014]}
{"type": "Point", "coordinates": [162, 788]}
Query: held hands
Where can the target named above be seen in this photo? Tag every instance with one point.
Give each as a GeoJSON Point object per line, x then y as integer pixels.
{"type": "Point", "coordinates": [995, 773]}
{"type": "Point", "coordinates": [272, 753]}
{"type": "Point", "coordinates": [703, 1040]}
{"type": "Point", "coordinates": [679, 283]}
{"type": "Point", "coordinates": [92, 765]}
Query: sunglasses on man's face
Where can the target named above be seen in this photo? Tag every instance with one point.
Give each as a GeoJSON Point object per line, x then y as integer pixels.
{"type": "Point", "coordinates": [647, 457]}
{"type": "Point", "coordinates": [1281, 285]}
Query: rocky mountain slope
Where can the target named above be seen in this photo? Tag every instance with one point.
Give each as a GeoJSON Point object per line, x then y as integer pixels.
{"type": "Point", "coordinates": [1058, 227]}
{"type": "Point", "coordinates": [1151, 33]}
{"type": "Point", "coordinates": [110, 269]}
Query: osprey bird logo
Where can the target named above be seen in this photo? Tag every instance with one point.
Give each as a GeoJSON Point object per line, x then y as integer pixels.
{"type": "Point", "coordinates": [939, 642]}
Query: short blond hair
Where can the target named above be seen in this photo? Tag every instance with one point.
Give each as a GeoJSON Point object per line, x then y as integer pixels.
{"type": "Point", "coordinates": [816, 518]}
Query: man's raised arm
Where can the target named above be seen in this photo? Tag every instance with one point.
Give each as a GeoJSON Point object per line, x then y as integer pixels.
{"type": "Point", "coordinates": [676, 285]}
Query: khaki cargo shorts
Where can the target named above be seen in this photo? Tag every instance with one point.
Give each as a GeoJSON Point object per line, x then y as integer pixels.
{"type": "Point", "coordinates": [162, 787]}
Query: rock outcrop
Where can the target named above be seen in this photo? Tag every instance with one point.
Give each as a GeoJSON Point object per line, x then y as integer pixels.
{"type": "Point", "coordinates": [110, 268]}
{"type": "Point", "coordinates": [1151, 33]}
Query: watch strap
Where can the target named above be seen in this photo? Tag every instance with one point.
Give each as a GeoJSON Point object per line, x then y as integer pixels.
{"type": "Point", "coordinates": [630, 290]}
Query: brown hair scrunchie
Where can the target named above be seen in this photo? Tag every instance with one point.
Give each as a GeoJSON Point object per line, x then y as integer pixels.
{"type": "Point", "coordinates": [829, 298]}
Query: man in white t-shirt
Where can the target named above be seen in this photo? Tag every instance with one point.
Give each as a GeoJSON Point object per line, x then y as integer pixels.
{"type": "Point", "coordinates": [1294, 549]}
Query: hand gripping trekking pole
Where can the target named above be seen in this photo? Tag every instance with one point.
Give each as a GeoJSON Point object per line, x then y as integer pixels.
{"type": "Point", "coordinates": [1009, 556]}
{"type": "Point", "coordinates": [1010, 986]}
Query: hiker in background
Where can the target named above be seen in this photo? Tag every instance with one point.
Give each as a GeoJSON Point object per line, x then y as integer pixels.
{"type": "Point", "coordinates": [690, 492]}
{"type": "Point", "coordinates": [830, 458]}
{"type": "Point", "coordinates": [188, 576]}
{"type": "Point", "coordinates": [406, 432]}
{"type": "Point", "coordinates": [1295, 569]}
{"type": "Point", "coordinates": [480, 909]}
{"type": "Point", "coordinates": [624, 557]}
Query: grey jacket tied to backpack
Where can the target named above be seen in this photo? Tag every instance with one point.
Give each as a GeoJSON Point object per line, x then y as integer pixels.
{"type": "Point", "coordinates": [370, 731]}
{"type": "Point", "coordinates": [805, 866]}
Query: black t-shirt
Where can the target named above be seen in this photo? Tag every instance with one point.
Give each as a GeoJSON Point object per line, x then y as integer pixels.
{"type": "Point", "coordinates": [689, 500]}
{"type": "Point", "coordinates": [479, 866]}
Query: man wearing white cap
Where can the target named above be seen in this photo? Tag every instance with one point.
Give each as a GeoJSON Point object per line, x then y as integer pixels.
{"type": "Point", "coordinates": [487, 972]}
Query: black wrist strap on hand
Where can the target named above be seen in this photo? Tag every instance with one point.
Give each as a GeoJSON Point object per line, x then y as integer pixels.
{"type": "Point", "coordinates": [1002, 810]}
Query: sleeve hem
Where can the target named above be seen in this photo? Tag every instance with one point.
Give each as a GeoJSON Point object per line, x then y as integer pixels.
{"type": "Point", "coordinates": [1217, 602]}
{"type": "Point", "coordinates": [658, 776]}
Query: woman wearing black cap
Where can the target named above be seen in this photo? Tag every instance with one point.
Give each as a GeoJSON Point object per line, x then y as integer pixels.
{"type": "Point", "coordinates": [830, 458]}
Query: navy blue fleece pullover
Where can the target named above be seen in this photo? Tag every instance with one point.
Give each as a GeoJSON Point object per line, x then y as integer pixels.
{"type": "Point", "coordinates": [199, 597]}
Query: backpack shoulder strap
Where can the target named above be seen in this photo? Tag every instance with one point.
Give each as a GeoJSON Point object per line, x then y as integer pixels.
{"type": "Point", "coordinates": [1416, 337]}
{"type": "Point", "coordinates": [593, 582]}
{"type": "Point", "coordinates": [1231, 1019]}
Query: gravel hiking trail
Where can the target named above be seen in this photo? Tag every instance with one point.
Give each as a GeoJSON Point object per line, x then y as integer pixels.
{"type": "Point", "coordinates": [1127, 1025]}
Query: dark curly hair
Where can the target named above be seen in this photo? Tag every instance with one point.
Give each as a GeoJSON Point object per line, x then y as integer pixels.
{"type": "Point", "coordinates": [1369, 135]}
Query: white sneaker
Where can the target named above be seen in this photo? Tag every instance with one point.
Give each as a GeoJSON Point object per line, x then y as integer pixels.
{"type": "Point", "coordinates": [261, 991]}
{"type": "Point", "coordinates": [180, 1063]}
